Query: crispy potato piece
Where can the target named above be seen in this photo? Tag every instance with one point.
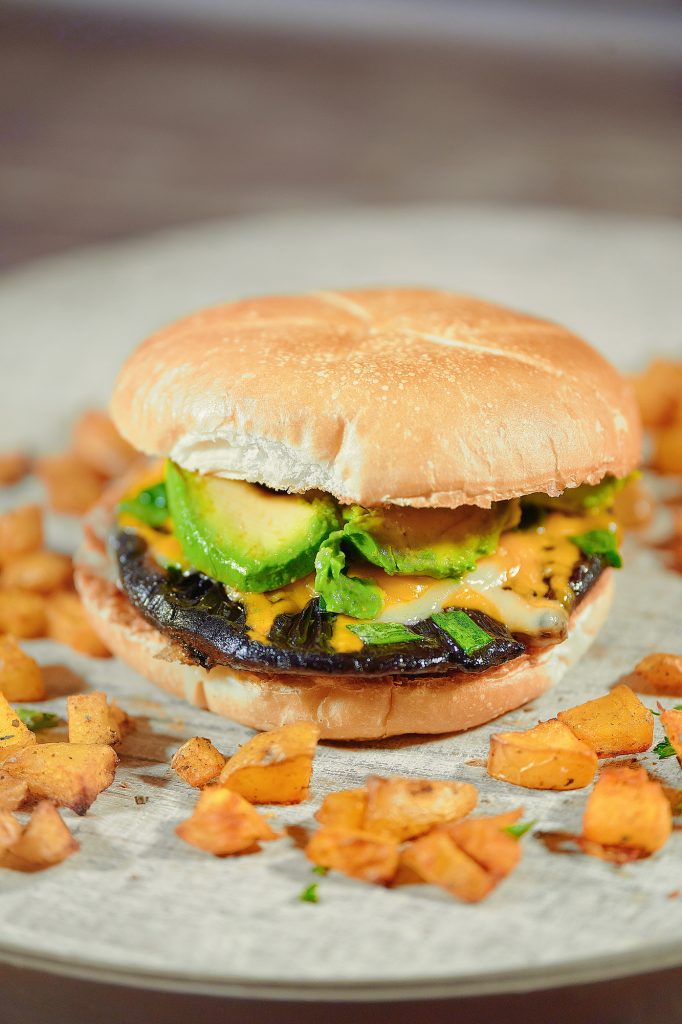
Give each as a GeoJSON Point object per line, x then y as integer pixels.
{"type": "Point", "coordinates": [439, 861]}
{"type": "Point", "coordinates": [44, 842]}
{"type": "Point", "coordinates": [486, 842]}
{"type": "Point", "coordinates": [21, 531]}
{"type": "Point", "coordinates": [627, 809]}
{"type": "Point", "coordinates": [100, 446]}
{"type": "Point", "coordinates": [68, 623]}
{"type": "Point", "coordinates": [345, 809]}
{"type": "Point", "coordinates": [13, 467]}
{"type": "Point", "coordinates": [91, 720]}
{"type": "Point", "coordinates": [659, 674]}
{"type": "Point", "coordinates": [40, 572]}
{"type": "Point", "coordinates": [20, 675]}
{"type": "Point", "coordinates": [13, 793]}
{"type": "Point", "coordinates": [10, 831]}
{"type": "Point", "coordinates": [14, 735]}
{"type": "Point", "coordinates": [274, 767]}
{"type": "Point", "coordinates": [634, 506]}
{"type": "Point", "coordinates": [224, 823]}
{"type": "Point", "coordinates": [659, 391]}
{"type": "Point", "coordinates": [121, 720]}
{"type": "Point", "coordinates": [671, 720]}
{"type": "Point", "coordinates": [547, 756]}
{"type": "Point", "coordinates": [198, 762]}
{"type": "Point", "coordinates": [615, 724]}
{"type": "Point", "coordinates": [22, 614]}
{"type": "Point", "coordinates": [403, 808]}
{"type": "Point", "coordinates": [356, 853]}
{"type": "Point", "coordinates": [70, 774]}
{"type": "Point", "coordinates": [667, 453]}
{"type": "Point", "coordinates": [72, 485]}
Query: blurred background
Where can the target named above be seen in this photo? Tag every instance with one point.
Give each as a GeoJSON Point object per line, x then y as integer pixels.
{"type": "Point", "coordinates": [119, 117]}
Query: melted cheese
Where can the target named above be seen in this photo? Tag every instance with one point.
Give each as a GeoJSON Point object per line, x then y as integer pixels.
{"type": "Point", "coordinates": [525, 584]}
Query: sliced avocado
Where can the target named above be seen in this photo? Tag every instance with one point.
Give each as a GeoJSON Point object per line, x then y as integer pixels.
{"type": "Point", "coordinates": [244, 535]}
{"type": "Point", "coordinates": [585, 498]}
{"type": "Point", "coordinates": [441, 543]}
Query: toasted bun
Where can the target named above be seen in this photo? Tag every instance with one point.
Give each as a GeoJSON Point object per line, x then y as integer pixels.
{"type": "Point", "coordinates": [343, 708]}
{"type": "Point", "coordinates": [404, 396]}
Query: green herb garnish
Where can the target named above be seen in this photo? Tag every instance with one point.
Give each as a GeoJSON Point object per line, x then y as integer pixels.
{"type": "Point", "coordinates": [520, 828]}
{"type": "Point", "coordinates": [463, 630]}
{"type": "Point", "coordinates": [384, 633]}
{"type": "Point", "coordinates": [664, 749]}
{"type": "Point", "coordinates": [150, 505]}
{"type": "Point", "coordinates": [602, 543]}
{"type": "Point", "coordinates": [320, 870]}
{"type": "Point", "coordinates": [309, 894]}
{"type": "Point", "coordinates": [37, 720]}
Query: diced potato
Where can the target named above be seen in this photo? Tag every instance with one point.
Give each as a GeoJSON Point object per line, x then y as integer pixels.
{"type": "Point", "coordinates": [198, 762]}
{"type": "Point", "coordinates": [224, 823]}
{"type": "Point", "coordinates": [627, 809]}
{"type": "Point", "coordinates": [68, 623]}
{"type": "Point", "coordinates": [40, 572]}
{"type": "Point", "coordinates": [14, 735]}
{"type": "Point", "coordinates": [667, 454]}
{"type": "Point", "coordinates": [359, 854]}
{"type": "Point", "coordinates": [22, 614]}
{"type": "Point", "coordinates": [615, 724]}
{"type": "Point", "coordinates": [70, 774]}
{"type": "Point", "coordinates": [21, 678]}
{"type": "Point", "coordinates": [100, 446]}
{"type": "Point", "coordinates": [90, 719]}
{"type": "Point", "coordinates": [658, 391]}
{"type": "Point", "coordinates": [486, 842]}
{"type": "Point", "coordinates": [403, 808]}
{"type": "Point", "coordinates": [44, 842]}
{"type": "Point", "coordinates": [13, 467]}
{"type": "Point", "coordinates": [274, 767]}
{"type": "Point", "coordinates": [634, 506]}
{"type": "Point", "coordinates": [345, 808]}
{"type": "Point", "coordinates": [436, 859]}
{"type": "Point", "coordinates": [21, 531]}
{"type": "Point", "coordinates": [10, 831]}
{"type": "Point", "coordinates": [72, 485]}
{"type": "Point", "coordinates": [660, 674]}
{"type": "Point", "coordinates": [547, 756]}
{"type": "Point", "coordinates": [13, 792]}
{"type": "Point", "coordinates": [671, 721]}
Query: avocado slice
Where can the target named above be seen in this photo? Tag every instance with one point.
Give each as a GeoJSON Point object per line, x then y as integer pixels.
{"type": "Point", "coordinates": [441, 543]}
{"type": "Point", "coordinates": [244, 535]}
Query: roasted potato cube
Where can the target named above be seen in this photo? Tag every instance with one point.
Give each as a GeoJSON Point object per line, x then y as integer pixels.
{"type": "Point", "coordinates": [486, 842]}
{"type": "Point", "coordinates": [72, 485]}
{"type": "Point", "coordinates": [68, 623]}
{"type": "Point", "coordinates": [14, 735]}
{"type": "Point", "coordinates": [70, 774]}
{"type": "Point", "coordinates": [21, 531]}
{"type": "Point", "coordinates": [547, 756]}
{"type": "Point", "coordinates": [615, 724]}
{"type": "Point", "coordinates": [44, 842]}
{"type": "Point", "coordinates": [274, 767]}
{"type": "Point", "coordinates": [436, 859]}
{"type": "Point", "coordinates": [198, 762]}
{"type": "Point", "coordinates": [667, 453]}
{"type": "Point", "coordinates": [345, 809]}
{"type": "Point", "coordinates": [224, 823]}
{"type": "Point", "coordinates": [20, 676]}
{"type": "Point", "coordinates": [97, 442]}
{"type": "Point", "coordinates": [13, 467]}
{"type": "Point", "coordinates": [22, 614]}
{"type": "Point", "coordinates": [13, 792]}
{"type": "Point", "coordinates": [10, 831]}
{"type": "Point", "coordinates": [659, 674]}
{"type": "Point", "coordinates": [671, 721]}
{"type": "Point", "coordinates": [91, 720]}
{"type": "Point", "coordinates": [627, 809]}
{"type": "Point", "coordinates": [364, 855]}
{"type": "Point", "coordinates": [402, 808]}
{"type": "Point", "coordinates": [659, 391]}
{"type": "Point", "coordinates": [40, 572]}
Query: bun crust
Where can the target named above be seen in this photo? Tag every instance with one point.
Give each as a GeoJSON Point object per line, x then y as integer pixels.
{"type": "Point", "coordinates": [342, 708]}
{"type": "Point", "coordinates": [386, 396]}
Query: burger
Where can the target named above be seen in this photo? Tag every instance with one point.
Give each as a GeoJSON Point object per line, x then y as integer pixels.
{"type": "Point", "coordinates": [384, 511]}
